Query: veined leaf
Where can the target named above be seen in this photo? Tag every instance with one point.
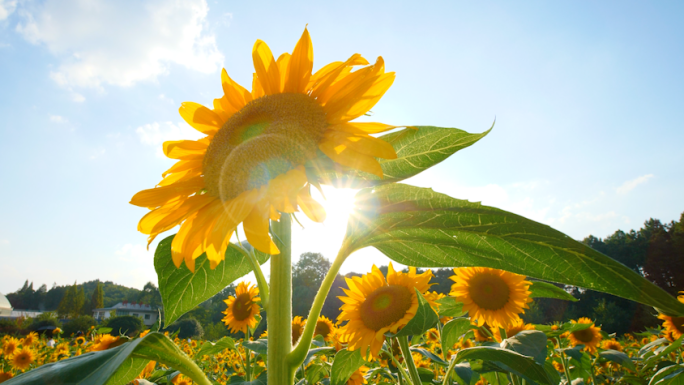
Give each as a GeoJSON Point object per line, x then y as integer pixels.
{"type": "Point", "coordinates": [211, 348]}
{"type": "Point", "coordinates": [530, 343]}
{"type": "Point", "coordinates": [418, 148]}
{"type": "Point", "coordinates": [182, 290]}
{"type": "Point", "coordinates": [424, 319]}
{"type": "Point", "coordinates": [515, 362]}
{"type": "Point", "coordinates": [344, 365]}
{"type": "Point", "coordinates": [619, 358]}
{"type": "Point", "coordinates": [449, 307]}
{"type": "Point", "coordinates": [419, 227]}
{"type": "Point", "coordinates": [540, 289]}
{"type": "Point", "coordinates": [453, 330]}
{"type": "Point", "coordinates": [259, 346]}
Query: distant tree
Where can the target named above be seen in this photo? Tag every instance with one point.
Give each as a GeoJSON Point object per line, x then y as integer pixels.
{"type": "Point", "coordinates": [150, 295]}
{"type": "Point", "coordinates": [80, 302]}
{"type": "Point", "coordinates": [189, 328]}
{"type": "Point", "coordinates": [307, 276]}
{"type": "Point", "coordinates": [66, 305]}
{"type": "Point", "coordinates": [80, 323]}
{"type": "Point", "coordinates": [125, 324]}
{"type": "Point", "coordinates": [96, 301]}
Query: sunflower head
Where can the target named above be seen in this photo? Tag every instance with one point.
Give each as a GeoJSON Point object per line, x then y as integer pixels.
{"type": "Point", "coordinates": [30, 339]}
{"type": "Point", "coordinates": [241, 310]}
{"type": "Point", "coordinates": [324, 328]}
{"type": "Point", "coordinates": [250, 165]}
{"type": "Point", "coordinates": [494, 296]}
{"type": "Point", "coordinates": [589, 337]}
{"type": "Point", "coordinates": [104, 342]}
{"type": "Point", "coordinates": [358, 377]}
{"type": "Point", "coordinates": [673, 325]}
{"type": "Point", "coordinates": [297, 328]}
{"type": "Point", "coordinates": [4, 376]}
{"type": "Point", "coordinates": [612, 344]}
{"type": "Point", "coordinates": [22, 358]}
{"type": "Point", "coordinates": [9, 346]}
{"type": "Point", "coordinates": [375, 305]}
{"type": "Point", "coordinates": [512, 329]}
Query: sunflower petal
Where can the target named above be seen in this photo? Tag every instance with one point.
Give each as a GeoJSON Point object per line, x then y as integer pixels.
{"type": "Point", "coordinates": [183, 165]}
{"type": "Point", "coordinates": [236, 95]}
{"type": "Point", "coordinates": [363, 144]}
{"type": "Point", "coordinates": [362, 127]}
{"type": "Point", "coordinates": [256, 230]}
{"type": "Point", "coordinates": [257, 89]}
{"type": "Point", "coordinates": [184, 149]}
{"type": "Point", "coordinates": [345, 156]}
{"type": "Point", "coordinates": [157, 196]}
{"type": "Point", "coordinates": [360, 100]}
{"type": "Point", "coordinates": [200, 118]}
{"type": "Point", "coordinates": [301, 65]}
{"type": "Point", "coordinates": [283, 65]}
{"type": "Point", "coordinates": [266, 68]}
{"type": "Point", "coordinates": [311, 208]}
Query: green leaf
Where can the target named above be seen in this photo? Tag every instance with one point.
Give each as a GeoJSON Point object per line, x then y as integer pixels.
{"type": "Point", "coordinates": [662, 353]}
{"type": "Point", "coordinates": [313, 352]}
{"type": "Point", "coordinates": [119, 365]}
{"type": "Point", "coordinates": [211, 348]}
{"type": "Point", "coordinates": [419, 227]}
{"type": "Point", "coordinates": [345, 364]}
{"type": "Point", "coordinates": [515, 362]}
{"type": "Point", "coordinates": [182, 290]}
{"type": "Point", "coordinates": [259, 346]}
{"type": "Point", "coordinates": [649, 346]}
{"type": "Point", "coordinates": [661, 376]}
{"type": "Point", "coordinates": [463, 373]}
{"type": "Point", "coordinates": [418, 149]}
{"type": "Point", "coordinates": [453, 330]}
{"type": "Point", "coordinates": [530, 343]}
{"type": "Point", "coordinates": [261, 380]}
{"type": "Point", "coordinates": [429, 355]}
{"type": "Point", "coordinates": [540, 289]}
{"type": "Point", "coordinates": [449, 307]}
{"type": "Point", "coordinates": [424, 319]}
{"type": "Point", "coordinates": [619, 358]}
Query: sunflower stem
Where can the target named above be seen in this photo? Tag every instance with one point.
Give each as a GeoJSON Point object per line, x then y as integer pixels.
{"type": "Point", "coordinates": [563, 360]}
{"type": "Point", "coordinates": [248, 366]}
{"type": "Point", "coordinates": [279, 311]}
{"type": "Point", "coordinates": [408, 359]}
{"type": "Point", "coordinates": [298, 354]}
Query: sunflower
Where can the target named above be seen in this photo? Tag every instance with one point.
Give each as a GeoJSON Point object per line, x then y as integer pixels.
{"type": "Point", "coordinates": [496, 297]}
{"type": "Point", "coordinates": [22, 358]}
{"type": "Point", "coordinates": [297, 328]}
{"type": "Point", "coordinates": [558, 366]}
{"type": "Point", "coordinates": [144, 333]}
{"type": "Point", "coordinates": [374, 306]}
{"type": "Point", "coordinates": [181, 380]}
{"type": "Point", "coordinates": [358, 377]}
{"type": "Point", "coordinates": [10, 346]}
{"type": "Point", "coordinates": [611, 344]}
{"type": "Point", "coordinates": [103, 342]}
{"type": "Point", "coordinates": [674, 325]}
{"type": "Point", "coordinates": [4, 376]}
{"type": "Point", "coordinates": [29, 340]}
{"type": "Point", "coordinates": [432, 335]}
{"type": "Point", "coordinates": [514, 328]}
{"type": "Point", "coordinates": [80, 340]}
{"type": "Point", "coordinates": [590, 337]}
{"type": "Point", "coordinates": [250, 166]}
{"type": "Point", "coordinates": [324, 328]}
{"type": "Point", "coordinates": [242, 309]}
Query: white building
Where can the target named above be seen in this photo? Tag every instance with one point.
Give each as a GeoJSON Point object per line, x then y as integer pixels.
{"type": "Point", "coordinates": [149, 316]}
{"type": "Point", "coordinates": [7, 311]}
{"type": "Point", "coordinates": [5, 306]}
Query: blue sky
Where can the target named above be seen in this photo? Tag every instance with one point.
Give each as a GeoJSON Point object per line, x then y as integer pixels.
{"type": "Point", "coordinates": [585, 95]}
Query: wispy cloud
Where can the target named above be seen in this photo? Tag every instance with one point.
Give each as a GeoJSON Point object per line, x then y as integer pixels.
{"type": "Point", "coordinates": [7, 7]}
{"type": "Point", "coordinates": [4, 241]}
{"type": "Point", "coordinates": [154, 134]}
{"type": "Point", "coordinates": [58, 119]}
{"type": "Point", "coordinates": [631, 184]}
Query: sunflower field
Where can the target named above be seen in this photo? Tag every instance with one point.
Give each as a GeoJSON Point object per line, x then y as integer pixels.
{"type": "Point", "coordinates": [263, 152]}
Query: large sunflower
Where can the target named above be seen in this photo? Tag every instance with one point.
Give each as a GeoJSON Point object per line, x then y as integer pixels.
{"type": "Point", "coordinates": [250, 166]}
{"type": "Point", "coordinates": [589, 337]}
{"type": "Point", "coordinates": [242, 309]}
{"type": "Point", "coordinates": [494, 296]}
{"type": "Point", "coordinates": [22, 359]}
{"type": "Point", "coordinates": [375, 305]}
{"type": "Point", "coordinates": [674, 325]}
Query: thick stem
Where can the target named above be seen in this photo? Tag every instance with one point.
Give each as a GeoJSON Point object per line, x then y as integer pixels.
{"type": "Point", "coordinates": [408, 359]}
{"type": "Point", "coordinates": [279, 311]}
{"type": "Point", "coordinates": [298, 354]}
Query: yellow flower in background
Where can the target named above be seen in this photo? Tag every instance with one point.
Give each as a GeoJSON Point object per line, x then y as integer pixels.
{"type": "Point", "coordinates": [514, 328]}
{"type": "Point", "coordinates": [30, 339]}
{"type": "Point", "coordinates": [181, 380]}
{"type": "Point", "coordinates": [297, 328]}
{"type": "Point", "coordinates": [375, 305]}
{"type": "Point", "coordinates": [242, 309]}
{"type": "Point", "coordinates": [103, 342]}
{"type": "Point", "coordinates": [325, 328]}
{"type": "Point", "coordinates": [22, 358]}
{"type": "Point", "coordinates": [432, 335]}
{"type": "Point", "coordinates": [358, 377]}
{"type": "Point", "coordinates": [612, 344]}
{"type": "Point", "coordinates": [491, 296]}
{"type": "Point", "coordinates": [590, 337]}
{"type": "Point", "coordinates": [4, 376]}
{"type": "Point", "coordinates": [144, 333]}
{"type": "Point", "coordinates": [674, 325]}
{"type": "Point", "coordinates": [250, 166]}
{"type": "Point", "coordinates": [10, 346]}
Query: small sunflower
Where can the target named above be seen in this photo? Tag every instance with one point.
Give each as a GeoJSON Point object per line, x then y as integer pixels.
{"type": "Point", "coordinates": [144, 333]}
{"type": "Point", "coordinates": [324, 328]}
{"type": "Point", "coordinates": [30, 339]}
{"type": "Point", "coordinates": [242, 309]}
{"type": "Point", "coordinates": [590, 337]}
{"type": "Point", "coordinates": [375, 305]}
{"type": "Point", "coordinates": [297, 328]}
{"type": "Point", "coordinates": [80, 340]}
{"type": "Point", "coordinates": [612, 344]}
{"type": "Point", "coordinates": [250, 166]}
{"type": "Point", "coordinates": [514, 328]}
{"type": "Point", "coordinates": [103, 342]}
{"type": "Point", "coordinates": [358, 377]}
{"type": "Point", "coordinates": [10, 346]}
{"type": "Point", "coordinates": [432, 335]}
{"type": "Point", "coordinates": [4, 376]}
{"type": "Point", "coordinates": [22, 358]}
{"type": "Point", "coordinates": [496, 297]}
{"type": "Point", "coordinates": [558, 366]}
{"type": "Point", "coordinates": [181, 380]}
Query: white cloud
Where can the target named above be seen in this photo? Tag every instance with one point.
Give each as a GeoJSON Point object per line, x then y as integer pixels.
{"type": "Point", "coordinates": [121, 42]}
{"type": "Point", "coordinates": [7, 7]}
{"type": "Point", "coordinates": [154, 134]}
{"type": "Point", "coordinates": [139, 264]}
{"type": "Point", "coordinates": [4, 241]}
{"type": "Point", "coordinates": [167, 99]}
{"type": "Point", "coordinates": [631, 184]}
{"type": "Point", "coordinates": [58, 119]}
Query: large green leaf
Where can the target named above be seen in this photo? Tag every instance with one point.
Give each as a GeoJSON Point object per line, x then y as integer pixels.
{"type": "Point", "coordinates": [116, 366]}
{"type": "Point", "coordinates": [418, 148]}
{"type": "Point", "coordinates": [344, 365]}
{"type": "Point", "coordinates": [530, 343]}
{"type": "Point", "coordinates": [420, 227]}
{"type": "Point", "coordinates": [515, 362]}
{"type": "Point", "coordinates": [540, 289]}
{"type": "Point", "coordinates": [182, 290]}
{"type": "Point", "coordinates": [454, 330]}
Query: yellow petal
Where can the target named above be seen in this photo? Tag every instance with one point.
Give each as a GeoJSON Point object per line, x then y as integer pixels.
{"type": "Point", "coordinates": [183, 165]}
{"type": "Point", "coordinates": [157, 196]}
{"type": "Point", "coordinates": [184, 149]}
{"type": "Point", "coordinates": [333, 72]}
{"type": "Point", "coordinates": [256, 230]}
{"type": "Point", "coordinates": [345, 156]}
{"type": "Point", "coordinates": [363, 144]}
{"type": "Point", "coordinates": [266, 68]}
{"type": "Point", "coordinates": [200, 118]}
{"type": "Point", "coordinates": [180, 177]}
{"type": "Point", "coordinates": [309, 206]}
{"type": "Point", "coordinates": [167, 217]}
{"type": "Point", "coordinates": [257, 89]}
{"type": "Point", "coordinates": [283, 65]}
{"type": "Point", "coordinates": [360, 100]}
{"type": "Point", "coordinates": [362, 128]}
{"type": "Point", "coordinates": [301, 64]}
{"type": "Point", "coordinates": [236, 95]}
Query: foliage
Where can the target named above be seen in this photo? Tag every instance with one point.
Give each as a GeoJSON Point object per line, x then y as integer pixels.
{"type": "Point", "coordinates": [186, 328]}
{"type": "Point", "coordinates": [45, 319]}
{"type": "Point", "coordinates": [125, 325]}
{"type": "Point", "coordinates": [81, 323]}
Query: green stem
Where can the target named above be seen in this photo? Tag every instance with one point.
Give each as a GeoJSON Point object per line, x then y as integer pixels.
{"type": "Point", "coordinates": [261, 280]}
{"type": "Point", "coordinates": [279, 311]}
{"type": "Point", "coordinates": [298, 354]}
{"type": "Point", "coordinates": [248, 366]}
{"type": "Point", "coordinates": [563, 361]}
{"type": "Point", "coordinates": [408, 359]}
{"type": "Point", "coordinates": [447, 375]}
{"type": "Point", "coordinates": [403, 375]}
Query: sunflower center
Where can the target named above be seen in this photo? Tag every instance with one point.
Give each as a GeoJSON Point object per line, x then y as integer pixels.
{"type": "Point", "coordinates": [585, 335]}
{"type": "Point", "coordinates": [322, 328]}
{"type": "Point", "coordinates": [678, 323]}
{"type": "Point", "coordinates": [489, 291]}
{"type": "Point", "coordinates": [242, 306]}
{"type": "Point", "coordinates": [268, 137]}
{"type": "Point", "coordinates": [384, 306]}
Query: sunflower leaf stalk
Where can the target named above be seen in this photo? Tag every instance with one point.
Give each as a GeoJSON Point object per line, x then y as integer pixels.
{"type": "Point", "coordinates": [408, 359]}
{"type": "Point", "coordinates": [279, 310]}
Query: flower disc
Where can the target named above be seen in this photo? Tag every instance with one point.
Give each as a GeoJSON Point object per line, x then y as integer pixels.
{"type": "Point", "coordinates": [384, 306]}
